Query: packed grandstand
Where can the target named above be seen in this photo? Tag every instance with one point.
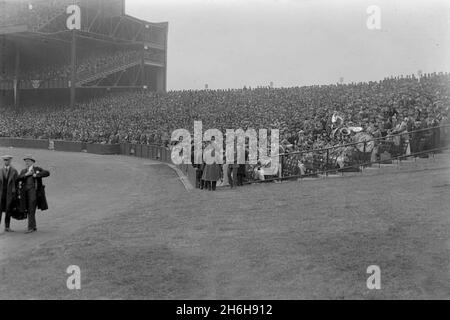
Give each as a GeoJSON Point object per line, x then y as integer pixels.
{"type": "Point", "coordinates": [115, 66]}
{"type": "Point", "coordinates": [384, 107]}
{"type": "Point", "coordinates": [304, 115]}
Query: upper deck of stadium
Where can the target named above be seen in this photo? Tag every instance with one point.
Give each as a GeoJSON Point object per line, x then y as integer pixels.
{"type": "Point", "coordinates": [101, 19]}
{"type": "Point", "coordinates": [108, 48]}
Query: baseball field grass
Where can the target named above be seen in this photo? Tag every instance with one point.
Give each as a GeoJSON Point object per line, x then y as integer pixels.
{"type": "Point", "coordinates": [136, 233]}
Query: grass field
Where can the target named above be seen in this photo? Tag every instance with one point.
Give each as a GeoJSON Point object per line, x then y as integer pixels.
{"type": "Point", "coordinates": [136, 233]}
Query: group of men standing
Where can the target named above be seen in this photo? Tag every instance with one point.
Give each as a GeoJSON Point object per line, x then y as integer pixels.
{"type": "Point", "coordinates": [24, 190]}
{"type": "Point", "coordinates": [207, 175]}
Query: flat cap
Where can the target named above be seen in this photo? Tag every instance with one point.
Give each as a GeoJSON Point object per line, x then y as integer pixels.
{"type": "Point", "coordinates": [29, 157]}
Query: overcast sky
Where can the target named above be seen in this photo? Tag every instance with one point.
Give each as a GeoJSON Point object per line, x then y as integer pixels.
{"type": "Point", "coordinates": [230, 43]}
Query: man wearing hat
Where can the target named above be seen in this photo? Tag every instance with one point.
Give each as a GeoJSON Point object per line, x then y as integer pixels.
{"type": "Point", "coordinates": [8, 180]}
{"type": "Point", "coordinates": [31, 179]}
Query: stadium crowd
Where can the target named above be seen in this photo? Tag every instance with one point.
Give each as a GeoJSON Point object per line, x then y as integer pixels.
{"type": "Point", "coordinates": [303, 114]}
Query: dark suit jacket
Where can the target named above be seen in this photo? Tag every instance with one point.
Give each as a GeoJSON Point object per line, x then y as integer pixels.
{"type": "Point", "coordinates": [34, 185]}
{"type": "Point", "coordinates": [30, 182]}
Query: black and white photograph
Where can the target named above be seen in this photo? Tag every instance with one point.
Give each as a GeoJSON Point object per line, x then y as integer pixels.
{"type": "Point", "coordinates": [222, 151]}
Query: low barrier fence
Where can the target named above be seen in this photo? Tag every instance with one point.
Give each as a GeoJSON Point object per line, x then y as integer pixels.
{"type": "Point", "coordinates": [293, 165]}
{"type": "Point", "coordinates": [24, 143]}
{"type": "Point", "coordinates": [152, 152]}
{"type": "Point", "coordinates": [60, 145]}
{"type": "Point", "coordinates": [356, 155]}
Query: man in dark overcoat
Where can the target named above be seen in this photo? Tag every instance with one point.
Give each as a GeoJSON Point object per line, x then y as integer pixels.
{"type": "Point", "coordinates": [8, 190]}
{"type": "Point", "coordinates": [212, 172]}
{"type": "Point", "coordinates": [31, 179]}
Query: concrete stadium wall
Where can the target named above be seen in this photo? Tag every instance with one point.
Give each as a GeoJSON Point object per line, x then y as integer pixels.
{"type": "Point", "coordinates": [151, 152]}
{"type": "Point", "coordinates": [106, 149]}
{"type": "Point", "coordinates": [59, 145]}
{"type": "Point", "coordinates": [190, 172]}
{"type": "Point", "coordinates": [146, 151]}
{"type": "Point", "coordinates": [69, 146]}
{"type": "Point", "coordinates": [24, 143]}
{"type": "Point", "coordinates": [157, 153]}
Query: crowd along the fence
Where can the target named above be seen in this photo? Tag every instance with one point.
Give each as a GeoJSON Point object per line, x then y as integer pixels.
{"type": "Point", "coordinates": [293, 164]}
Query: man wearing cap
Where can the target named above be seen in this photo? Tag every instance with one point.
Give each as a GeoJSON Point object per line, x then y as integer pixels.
{"type": "Point", "coordinates": [8, 179]}
{"type": "Point", "coordinates": [31, 179]}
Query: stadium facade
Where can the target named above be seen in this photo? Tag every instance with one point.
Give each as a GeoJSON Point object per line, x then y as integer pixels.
{"type": "Point", "coordinates": [68, 50]}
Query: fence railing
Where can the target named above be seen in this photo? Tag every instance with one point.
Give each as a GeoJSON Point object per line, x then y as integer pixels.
{"type": "Point", "coordinates": [357, 155]}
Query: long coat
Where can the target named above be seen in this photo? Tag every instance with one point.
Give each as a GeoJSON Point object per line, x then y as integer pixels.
{"type": "Point", "coordinates": [212, 172]}
{"type": "Point", "coordinates": [11, 189]}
